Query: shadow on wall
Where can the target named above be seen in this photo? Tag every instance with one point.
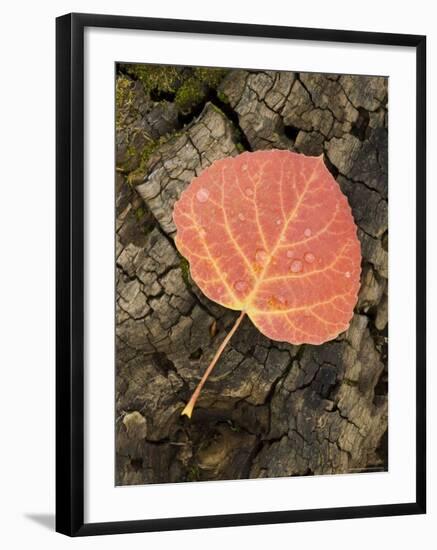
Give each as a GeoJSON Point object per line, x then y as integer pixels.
{"type": "Point", "coordinates": [46, 520]}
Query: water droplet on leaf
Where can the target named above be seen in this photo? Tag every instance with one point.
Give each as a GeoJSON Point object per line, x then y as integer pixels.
{"type": "Point", "coordinates": [296, 266]}
{"type": "Point", "coordinates": [309, 257]}
{"type": "Point", "coordinates": [278, 221]}
{"type": "Point", "coordinates": [249, 192]}
{"type": "Point", "coordinates": [307, 232]}
{"type": "Point", "coordinates": [220, 290]}
{"type": "Point", "coordinates": [240, 285]}
{"type": "Point", "coordinates": [261, 256]}
{"type": "Point", "coordinates": [290, 253]}
{"type": "Point", "coordinates": [347, 274]}
{"type": "Point", "coordinates": [241, 217]}
{"type": "Point", "coordinates": [202, 195]}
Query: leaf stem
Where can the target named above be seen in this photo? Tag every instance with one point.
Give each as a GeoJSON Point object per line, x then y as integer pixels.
{"type": "Point", "coordinates": [188, 410]}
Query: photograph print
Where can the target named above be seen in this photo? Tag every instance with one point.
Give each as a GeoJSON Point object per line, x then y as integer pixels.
{"type": "Point", "coordinates": [251, 269]}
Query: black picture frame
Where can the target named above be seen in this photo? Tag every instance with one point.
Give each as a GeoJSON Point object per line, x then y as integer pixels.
{"type": "Point", "coordinates": [70, 273]}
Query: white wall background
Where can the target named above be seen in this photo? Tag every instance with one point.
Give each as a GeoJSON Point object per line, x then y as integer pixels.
{"type": "Point", "coordinates": [27, 124]}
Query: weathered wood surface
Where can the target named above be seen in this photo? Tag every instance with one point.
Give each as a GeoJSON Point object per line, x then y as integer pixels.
{"type": "Point", "coordinates": [269, 409]}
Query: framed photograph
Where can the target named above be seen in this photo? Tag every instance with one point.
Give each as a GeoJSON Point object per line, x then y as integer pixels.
{"type": "Point", "coordinates": [240, 274]}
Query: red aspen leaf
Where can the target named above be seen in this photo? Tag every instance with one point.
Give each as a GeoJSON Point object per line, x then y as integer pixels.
{"type": "Point", "coordinates": [271, 234]}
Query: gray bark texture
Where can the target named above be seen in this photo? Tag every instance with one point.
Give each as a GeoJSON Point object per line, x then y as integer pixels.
{"type": "Point", "coordinates": [269, 409]}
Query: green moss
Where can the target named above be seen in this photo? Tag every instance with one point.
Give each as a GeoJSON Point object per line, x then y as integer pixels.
{"type": "Point", "coordinates": [195, 88]}
{"type": "Point", "coordinates": [217, 110]}
{"type": "Point", "coordinates": [190, 94]}
{"type": "Point", "coordinates": [185, 269]}
{"type": "Point", "coordinates": [223, 97]}
{"type": "Point", "coordinates": [234, 427]}
{"type": "Point", "coordinates": [131, 151]}
{"type": "Point", "coordinates": [136, 175]}
{"type": "Point", "coordinates": [155, 77]}
{"type": "Point", "coordinates": [123, 91]}
{"type": "Point", "coordinates": [124, 97]}
{"type": "Point", "coordinates": [139, 213]}
{"type": "Point", "coordinates": [210, 76]}
{"type": "Point", "coordinates": [193, 473]}
{"type": "Point", "coordinates": [240, 146]}
{"type": "Point", "coordinates": [126, 164]}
